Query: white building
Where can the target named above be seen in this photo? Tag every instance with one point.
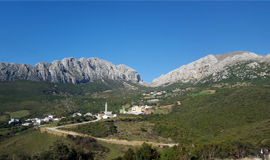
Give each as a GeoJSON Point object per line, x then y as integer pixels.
{"type": "Point", "coordinates": [88, 114]}
{"type": "Point", "coordinates": [76, 114]}
{"type": "Point", "coordinates": [26, 124]}
{"type": "Point", "coordinates": [106, 113]}
{"type": "Point", "coordinates": [50, 116]}
{"type": "Point", "coordinates": [57, 119]}
{"type": "Point", "coordinates": [148, 107]}
{"type": "Point", "coordinates": [12, 120]}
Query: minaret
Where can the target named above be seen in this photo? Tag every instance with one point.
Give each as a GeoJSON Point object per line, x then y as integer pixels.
{"type": "Point", "coordinates": [106, 108]}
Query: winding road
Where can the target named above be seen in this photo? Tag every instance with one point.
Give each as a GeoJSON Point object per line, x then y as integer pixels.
{"type": "Point", "coordinates": [57, 131]}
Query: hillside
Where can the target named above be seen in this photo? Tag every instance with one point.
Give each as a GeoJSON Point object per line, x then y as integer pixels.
{"type": "Point", "coordinates": [223, 111]}
{"type": "Point", "coordinates": [227, 115]}
{"type": "Point", "coordinates": [41, 98]}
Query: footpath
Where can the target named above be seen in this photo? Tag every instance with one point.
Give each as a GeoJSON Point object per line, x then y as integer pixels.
{"type": "Point", "coordinates": [58, 131]}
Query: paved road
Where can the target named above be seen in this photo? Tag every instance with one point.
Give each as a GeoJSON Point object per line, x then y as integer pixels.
{"type": "Point", "coordinates": [114, 141]}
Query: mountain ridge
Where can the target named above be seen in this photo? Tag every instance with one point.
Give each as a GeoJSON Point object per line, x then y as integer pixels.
{"type": "Point", "coordinates": [211, 65]}
{"type": "Point", "coordinates": [211, 68]}
{"type": "Point", "coordinates": [69, 70]}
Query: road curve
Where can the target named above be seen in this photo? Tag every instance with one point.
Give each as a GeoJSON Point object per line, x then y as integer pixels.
{"type": "Point", "coordinates": [57, 131]}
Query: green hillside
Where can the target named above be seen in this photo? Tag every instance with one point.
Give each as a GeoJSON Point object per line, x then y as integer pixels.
{"type": "Point", "coordinates": [226, 119]}
{"type": "Point", "coordinates": [230, 116]}
{"type": "Point", "coordinates": [210, 115]}
{"type": "Point", "coordinates": [41, 98]}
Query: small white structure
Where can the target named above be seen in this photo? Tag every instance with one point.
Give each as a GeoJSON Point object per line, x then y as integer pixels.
{"type": "Point", "coordinates": [148, 107]}
{"type": "Point", "coordinates": [50, 116]}
{"type": "Point", "coordinates": [57, 119]}
{"type": "Point", "coordinates": [37, 121]}
{"type": "Point", "coordinates": [159, 93]}
{"type": "Point", "coordinates": [47, 119]}
{"type": "Point", "coordinates": [28, 120]}
{"type": "Point", "coordinates": [12, 120]}
{"type": "Point", "coordinates": [88, 114]}
{"type": "Point", "coordinates": [105, 117]}
{"type": "Point", "coordinates": [26, 124]}
{"type": "Point", "coordinates": [133, 109]}
{"type": "Point", "coordinates": [76, 114]}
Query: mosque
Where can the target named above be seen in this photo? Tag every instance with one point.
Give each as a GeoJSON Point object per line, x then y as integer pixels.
{"type": "Point", "coordinates": [107, 114]}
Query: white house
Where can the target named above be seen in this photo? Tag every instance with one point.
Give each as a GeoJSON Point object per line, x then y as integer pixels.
{"type": "Point", "coordinates": [47, 119]}
{"type": "Point", "coordinates": [88, 114]}
{"type": "Point", "coordinates": [50, 116]}
{"type": "Point", "coordinates": [57, 119]}
{"type": "Point", "coordinates": [76, 114]}
{"type": "Point", "coordinates": [148, 107]}
{"type": "Point", "coordinates": [37, 121]}
{"type": "Point", "coordinates": [26, 124]}
{"type": "Point", "coordinates": [12, 120]}
{"type": "Point", "coordinates": [154, 100]}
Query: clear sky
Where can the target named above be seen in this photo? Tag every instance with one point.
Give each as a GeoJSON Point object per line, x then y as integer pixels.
{"type": "Point", "coordinates": [152, 37]}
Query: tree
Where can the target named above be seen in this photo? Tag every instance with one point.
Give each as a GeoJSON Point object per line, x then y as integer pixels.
{"type": "Point", "coordinates": [60, 151]}
{"type": "Point", "coordinates": [129, 155]}
{"type": "Point", "coordinates": [146, 152]}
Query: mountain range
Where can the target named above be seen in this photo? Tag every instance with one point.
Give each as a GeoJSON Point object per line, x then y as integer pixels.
{"type": "Point", "coordinates": [69, 70]}
{"type": "Point", "coordinates": [212, 68]}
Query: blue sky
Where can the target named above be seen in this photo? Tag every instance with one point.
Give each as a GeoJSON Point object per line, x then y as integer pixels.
{"type": "Point", "coordinates": [152, 37]}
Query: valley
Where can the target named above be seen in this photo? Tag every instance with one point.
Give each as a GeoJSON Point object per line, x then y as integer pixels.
{"type": "Point", "coordinates": [210, 117]}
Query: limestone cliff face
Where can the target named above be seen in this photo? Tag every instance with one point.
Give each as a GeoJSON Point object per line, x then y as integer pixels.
{"type": "Point", "coordinates": [69, 70]}
{"type": "Point", "coordinates": [218, 67]}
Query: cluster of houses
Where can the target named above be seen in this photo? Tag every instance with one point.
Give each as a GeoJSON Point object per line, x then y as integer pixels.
{"type": "Point", "coordinates": [136, 110]}
{"type": "Point", "coordinates": [48, 119]}
{"type": "Point", "coordinates": [38, 121]}
{"type": "Point", "coordinates": [35, 121]}
{"type": "Point", "coordinates": [155, 93]}
{"type": "Point", "coordinates": [79, 114]}
{"type": "Point", "coordinates": [52, 118]}
{"type": "Point", "coordinates": [153, 96]}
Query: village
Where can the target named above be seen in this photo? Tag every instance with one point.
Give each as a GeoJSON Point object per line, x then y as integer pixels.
{"type": "Point", "coordinates": [150, 97]}
{"type": "Point", "coordinates": [43, 121]}
{"type": "Point", "coordinates": [135, 110]}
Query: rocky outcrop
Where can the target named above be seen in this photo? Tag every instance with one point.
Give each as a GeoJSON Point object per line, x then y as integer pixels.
{"type": "Point", "coordinates": [69, 70]}
{"type": "Point", "coordinates": [217, 67]}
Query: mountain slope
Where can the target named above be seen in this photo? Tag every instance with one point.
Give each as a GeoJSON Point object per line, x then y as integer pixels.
{"type": "Point", "coordinates": [64, 98]}
{"type": "Point", "coordinates": [219, 67]}
{"type": "Point", "coordinates": [206, 117]}
{"type": "Point", "coordinates": [69, 70]}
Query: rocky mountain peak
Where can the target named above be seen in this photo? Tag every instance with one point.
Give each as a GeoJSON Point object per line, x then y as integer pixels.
{"type": "Point", "coordinates": [221, 57]}
{"type": "Point", "coordinates": [210, 65]}
{"type": "Point", "coordinates": [69, 70]}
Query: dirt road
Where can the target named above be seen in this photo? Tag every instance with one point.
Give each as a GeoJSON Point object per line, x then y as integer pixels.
{"type": "Point", "coordinates": [57, 131]}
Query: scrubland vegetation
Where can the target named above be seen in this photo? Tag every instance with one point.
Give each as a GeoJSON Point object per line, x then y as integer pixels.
{"type": "Point", "coordinates": [231, 121]}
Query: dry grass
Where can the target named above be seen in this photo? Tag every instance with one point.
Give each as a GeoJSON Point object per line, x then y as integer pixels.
{"type": "Point", "coordinates": [208, 91]}
{"type": "Point", "coordinates": [137, 131]}
{"type": "Point", "coordinates": [167, 106]}
{"type": "Point", "coordinates": [116, 150]}
{"type": "Point", "coordinates": [29, 142]}
{"type": "Point", "coordinates": [19, 114]}
{"type": "Point", "coordinates": [3, 118]}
